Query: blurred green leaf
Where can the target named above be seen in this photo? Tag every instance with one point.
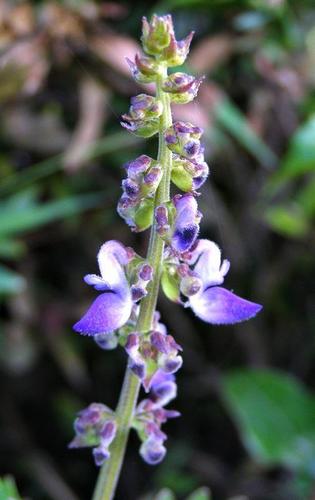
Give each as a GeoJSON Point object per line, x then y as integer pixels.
{"type": "Point", "coordinates": [22, 212]}
{"type": "Point", "coordinates": [11, 249]}
{"type": "Point", "coordinates": [232, 120]}
{"type": "Point", "coordinates": [8, 490]}
{"type": "Point", "coordinates": [10, 282]}
{"type": "Point", "coordinates": [300, 157]}
{"type": "Point", "coordinates": [200, 494]}
{"type": "Point", "coordinates": [306, 198]}
{"type": "Point", "coordinates": [275, 416]}
{"type": "Point", "coordinates": [287, 220]}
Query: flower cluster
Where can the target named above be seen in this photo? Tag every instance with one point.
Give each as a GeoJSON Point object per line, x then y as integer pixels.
{"type": "Point", "coordinates": [153, 352]}
{"type": "Point", "coordinates": [150, 415]}
{"type": "Point", "coordinates": [136, 203]}
{"type": "Point", "coordinates": [95, 426]}
{"type": "Point", "coordinates": [191, 270]}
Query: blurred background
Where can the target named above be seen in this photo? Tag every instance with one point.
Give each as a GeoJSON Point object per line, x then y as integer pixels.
{"type": "Point", "coordinates": [246, 392]}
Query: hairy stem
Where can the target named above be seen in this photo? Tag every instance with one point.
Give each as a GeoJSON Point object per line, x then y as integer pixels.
{"type": "Point", "coordinates": [109, 473]}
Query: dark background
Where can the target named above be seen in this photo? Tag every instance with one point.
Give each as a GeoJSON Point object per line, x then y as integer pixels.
{"type": "Point", "coordinates": [63, 86]}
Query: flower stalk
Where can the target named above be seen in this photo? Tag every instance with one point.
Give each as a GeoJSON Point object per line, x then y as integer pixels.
{"type": "Point", "coordinates": [110, 471]}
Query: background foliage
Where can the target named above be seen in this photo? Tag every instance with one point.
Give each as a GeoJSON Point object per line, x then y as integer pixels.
{"type": "Point", "coordinates": [246, 392]}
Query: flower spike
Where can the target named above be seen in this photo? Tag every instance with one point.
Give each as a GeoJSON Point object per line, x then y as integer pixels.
{"type": "Point", "coordinates": [189, 270]}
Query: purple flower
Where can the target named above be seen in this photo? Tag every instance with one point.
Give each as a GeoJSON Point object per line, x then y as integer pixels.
{"type": "Point", "coordinates": [151, 414]}
{"type": "Point", "coordinates": [152, 450]}
{"type": "Point", "coordinates": [148, 355]}
{"type": "Point", "coordinates": [163, 388]}
{"type": "Point", "coordinates": [186, 226]}
{"type": "Point", "coordinates": [112, 308]}
{"type": "Point", "coordinates": [106, 435]}
{"type": "Point", "coordinates": [213, 303]}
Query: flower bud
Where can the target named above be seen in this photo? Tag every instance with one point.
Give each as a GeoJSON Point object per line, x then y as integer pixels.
{"type": "Point", "coordinates": [189, 175]}
{"type": "Point", "coordinates": [106, 341]}
{"type": "Point", "coordinates": [186, 224]}
{"type": "Point", "coordinates": [126, 209]}
{"type": "Point", "coordinates": [100, 454]}
{"type": "Point", "coordinates": [190, 285]}
{"type": "Point", "coordinates": [136, 362]}
{"type": "Point", "coordinates": [136, 168]}
{"type": "Point", "coordinates": [151, 180]}
{"type": "Point", "coordinates": [177, 51]}
{"type": "Point", "coordinates": [144, 69]}
{"type": "Point", "coordinates": [143, 277]}
{"type": "Point", "coordinates": [90, 424]}
{"type": "Point", "coordinates": [156, 34]}
{"type": "Point", "coordinates": [146, 272]}
{"type": "Point", "coordinates": [143, 118]}
{"type": "Point", "coordinates": [152, 451]}
{"type": "Point", "coordinates": [131, 188]}
{"type": "Point", "coordinates": [183, 138]}
{"type": "Point", "coordinates": [161, 217]}
{"type": "Point", "coordinates": [182, 88]}
{"type": "Point", "coordinates": [181, 178]}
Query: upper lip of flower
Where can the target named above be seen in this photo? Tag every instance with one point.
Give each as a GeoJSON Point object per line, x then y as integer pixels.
{"type": "Point", "coordinates": [112, 308]}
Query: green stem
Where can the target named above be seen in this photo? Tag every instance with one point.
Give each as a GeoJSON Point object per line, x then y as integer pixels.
{"type": "Point", "coordinates": [110, 471]}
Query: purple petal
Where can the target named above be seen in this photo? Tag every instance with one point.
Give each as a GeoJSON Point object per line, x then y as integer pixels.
{"type": "Point", "coordinates": [111, 259]}
{"type": "Point", "coordinates": [152, 451]}
{"type": "Point", "coordinates": [108, 432]}
{"type": "Point", "coordinates": [164, 392]}
{"type": "Point", "coordinates": [207, 256]}
{"type": "Point", "coordinates": [186, 225]}
{"type": "Point", "coordinates": [218, 306]}
{"type": "Point", "coordinates": [160, 377]}
{"type": "Point", "coordinates": [101, 454]}
{"type": "Point", "coordinates": [183, 239]}
{"type": "Point", "coordinates": [96, 281]}
{"type": "Point", "coordinates": [107, 313]}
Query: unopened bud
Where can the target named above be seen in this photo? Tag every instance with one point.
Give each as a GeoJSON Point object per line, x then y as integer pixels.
{"type": "Point", "coordinates": [176, 52]}
{"type": "Point", "coordinates": [143, 118]}
{"type": "Point", "coordinates": [182, 88]}
{"type": "Point", "coordinates": [131, 188]}
{"type": "Point", "coordinates": [190, 285]}
{"type": "Point", "coordinates": [156, 34]}
{"type": "Point", "coordinates": [144, 69]}
{"type": "Point", "coordinates": [182, 138]}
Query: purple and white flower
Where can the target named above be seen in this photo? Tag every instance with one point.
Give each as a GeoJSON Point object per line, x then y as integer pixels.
{"type": "Point", "coordinates": [151, 414]}
{"type": "Point", "coordinates": [112, 308]}
{"type": "Point", "coordinates": [186, 224]}
{"type": "Point", "coordinates": [95, 427]}
{"type": "Point", "coordinates": [213, 303]}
